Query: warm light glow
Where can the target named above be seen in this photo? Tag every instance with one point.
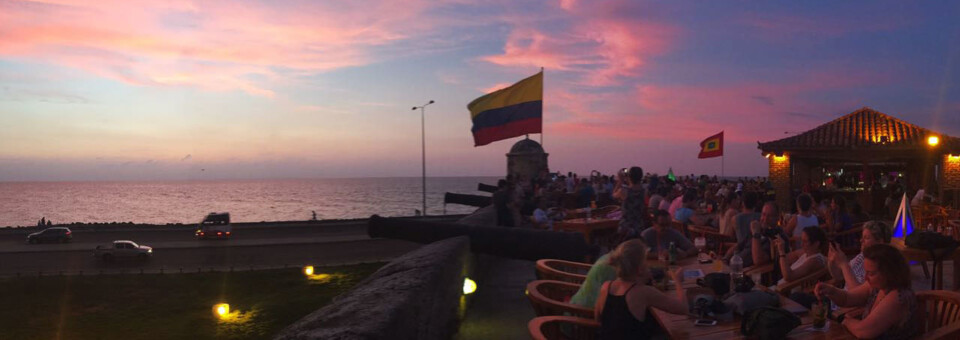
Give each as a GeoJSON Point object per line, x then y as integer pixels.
{"type": "Point", "coordinates": [954, 158]}
{"type": "Point", "coordinates": [308, 270]}
{"type": "Point", "coordinates": [222, 310]}
{"type": "Point", "coordinates": [933, 140]}
{"type": "Point", "coordinates": [780, 158]}
{"type": "Point", "coordinates": [766, 155]}
{"type": "Point", "coordinates": [469, 286]}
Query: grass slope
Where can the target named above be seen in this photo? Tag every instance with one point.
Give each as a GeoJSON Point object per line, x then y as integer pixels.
{"type": "Point", "coordinates": [170, 306]}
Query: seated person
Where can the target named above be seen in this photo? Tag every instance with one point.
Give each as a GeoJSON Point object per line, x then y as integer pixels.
{"type": "Point", "coordinates": [890, 307]}
{"type": "Point", "coordinates": [757, 250]}
{"type": "Point", "coordinates": [686, 209]}
{"type": "Point", "coordinates": [742, 221]}
{"type": "Point", "coordinates": [601, 272]}
{"type": "Point", "coordinates": [804, 217]}
{"type": "Point", "coordinates": [661, 235]}
{"type": "Point", "coordinates": [852, 274]}
{"type": "Point", "coordinates": [623, 304]}
{"type": "Point", "coordinates": [804, 261]}
{"type": "Point", "coordinates": [728, 218]}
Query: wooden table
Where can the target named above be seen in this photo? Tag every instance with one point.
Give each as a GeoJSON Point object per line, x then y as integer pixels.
{"type": "Point", "coordinates": [587, 226]}
{"type": "Point", "coordinates": [682, 327]}
{"type": "Point", "coordinates": [913, 254]}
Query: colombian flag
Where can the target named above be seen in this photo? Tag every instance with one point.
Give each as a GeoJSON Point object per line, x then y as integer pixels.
{"type": "Point", "coordinates": [510, 112]}
{"type": "Point", "coordinates": [712, 146]}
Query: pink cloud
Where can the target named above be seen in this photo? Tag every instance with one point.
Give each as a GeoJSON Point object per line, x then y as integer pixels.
{"type": "Point", "coordinates": [211, 45]}
{"type": "Point", "coordinates": [597, 42]}
{"type": "Point", "coordinates": [747, 110]}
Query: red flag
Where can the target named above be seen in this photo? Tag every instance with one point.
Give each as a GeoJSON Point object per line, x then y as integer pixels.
{"type": "Point", "coordinates": [712, 146]}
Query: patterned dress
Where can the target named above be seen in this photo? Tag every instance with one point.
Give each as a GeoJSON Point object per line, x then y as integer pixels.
{"type": "Point", "coordinates": [634, 209]}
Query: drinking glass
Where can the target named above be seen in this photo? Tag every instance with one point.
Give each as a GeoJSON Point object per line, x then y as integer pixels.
{"type": "Point", "coordinates": [700, 242]}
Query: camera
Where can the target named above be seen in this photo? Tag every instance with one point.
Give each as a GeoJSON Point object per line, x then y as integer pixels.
{"type": "Point", "coordinates": [770, 232]}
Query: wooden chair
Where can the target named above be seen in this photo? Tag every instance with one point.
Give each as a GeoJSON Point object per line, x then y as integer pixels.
{"type": "Point", "coordinates": [560, 270]}
{"type": "Point", "coordinates": [939, 314]}
{"type": "Point", "coordinates": [550, 297]}
{"type": "Point", "coordinates": [765, 271]}
{"type": "Point", "coordinates": [720, 241]}
{"type": "Point", "coordinates": [805, 283]}
{"type": "Point", "coordinates": [563, 327]}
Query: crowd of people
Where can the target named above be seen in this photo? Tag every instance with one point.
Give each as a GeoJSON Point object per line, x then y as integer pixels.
{"type": "Point", "coordinates": [618, 285]}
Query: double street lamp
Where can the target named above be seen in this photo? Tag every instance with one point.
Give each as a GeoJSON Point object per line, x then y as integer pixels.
{"type": "Point", "coordinates": [423, 154]}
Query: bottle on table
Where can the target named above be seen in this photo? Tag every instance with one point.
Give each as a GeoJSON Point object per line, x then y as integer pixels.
{"type": "Point", "coordinates": [736, 265]}
{"type": "Point", "coordinates": [672, 253]}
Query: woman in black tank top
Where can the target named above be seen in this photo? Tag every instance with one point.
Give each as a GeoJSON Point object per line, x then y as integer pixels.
{"type": "Point", "coordinates": [623, 304]}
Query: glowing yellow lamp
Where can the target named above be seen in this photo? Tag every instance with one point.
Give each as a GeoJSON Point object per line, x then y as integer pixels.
{"type": "Point", "coordinates": [469, 286]}
{"type": "Point", "coordinates": [954, 158]}
{"type": "Point", "coordinates": [308, 270]}
{"type": "Point", "coordinates": [222, 309]}
{"type": "Point", "coordinates": [933, 140]}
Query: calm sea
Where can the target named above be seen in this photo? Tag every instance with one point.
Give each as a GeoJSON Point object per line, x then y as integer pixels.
{"type": "Point", "coordinates": [24, 203]}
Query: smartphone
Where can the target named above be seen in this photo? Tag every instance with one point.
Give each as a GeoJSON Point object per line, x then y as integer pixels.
{"type": "Point", "coordinates": [705, 322]}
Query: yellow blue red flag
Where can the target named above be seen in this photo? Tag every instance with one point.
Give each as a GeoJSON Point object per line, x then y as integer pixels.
{"type": "Point", "coordinates": [712, 146]}
{"type": "Point", "coordinates": [509, 112]}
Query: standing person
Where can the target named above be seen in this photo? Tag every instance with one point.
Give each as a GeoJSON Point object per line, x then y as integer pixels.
{"type": "Point", "coordinates": [890, 306]}
{"type": "Point", "coordinates": [623, 304]}
{"type": "Point", "coordinates": [501, 203]}
{"type": "Point", "coordinates": [630, 192]}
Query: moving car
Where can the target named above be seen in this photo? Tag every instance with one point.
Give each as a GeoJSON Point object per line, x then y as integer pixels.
{"type": "Point", "coordinates": [123, 249]}
{"type": "Point", "coordinates": [51, 235]}
{"type": "Point", "coordinates": [215, 225]}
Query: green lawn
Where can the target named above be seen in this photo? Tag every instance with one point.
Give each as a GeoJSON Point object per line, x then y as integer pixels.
{"type": "Point", "coordinates": [170, 306]}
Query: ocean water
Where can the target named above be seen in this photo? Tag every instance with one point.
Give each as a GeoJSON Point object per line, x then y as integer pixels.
{"type": "Point", "coordinates": [24, 203]}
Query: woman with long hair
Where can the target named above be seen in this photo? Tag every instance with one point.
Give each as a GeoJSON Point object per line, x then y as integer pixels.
{"type": "Point", "coordinates": [623, 304]}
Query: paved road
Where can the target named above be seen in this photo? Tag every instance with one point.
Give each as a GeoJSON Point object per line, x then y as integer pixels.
{"type": "Point", "coordinates": [176, 248]}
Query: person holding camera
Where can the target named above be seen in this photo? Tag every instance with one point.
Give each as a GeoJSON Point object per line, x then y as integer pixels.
{"type": "Point", "coordinates": [763, 233]}
{"type": "Point", "coordinates": [629, 190]}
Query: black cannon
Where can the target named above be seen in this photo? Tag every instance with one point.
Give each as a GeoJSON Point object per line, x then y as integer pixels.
{"type": "Point", "coordinates": [486, 188]}
{"type": "Point", "coordinates": [466, 199]}
{"type": "Point", "coordinates": [515, 243]}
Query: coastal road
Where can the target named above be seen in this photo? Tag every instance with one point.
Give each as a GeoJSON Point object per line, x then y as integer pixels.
{"type": "Point", "coordinates": [260, 245]}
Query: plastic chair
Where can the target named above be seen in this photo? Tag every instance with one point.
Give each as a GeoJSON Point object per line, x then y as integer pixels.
{"type": "Point", "coordinates": [549, 297]}
{"type": "Point", "coordinates": [939, 314]}
{"type": "Point", "coordinates": [560, 270]}
{"type": "Point", "coordinates": [563, 327]}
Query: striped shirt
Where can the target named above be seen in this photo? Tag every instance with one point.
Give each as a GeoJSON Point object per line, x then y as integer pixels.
{"type": "Point", "coordinates": [856, 266]}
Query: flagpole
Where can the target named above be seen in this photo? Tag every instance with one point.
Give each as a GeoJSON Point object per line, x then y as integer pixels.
{"type": "Point", "coordinates": [541, 110]}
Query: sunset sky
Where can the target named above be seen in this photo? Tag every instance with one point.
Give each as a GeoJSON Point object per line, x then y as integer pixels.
{"type": "Point", "coordinates": [145, 90]}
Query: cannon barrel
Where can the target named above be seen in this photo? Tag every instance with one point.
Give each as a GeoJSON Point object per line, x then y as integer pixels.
{"type": "Point", "coordinates": [486, 188]}
{"type": "Point", "coordinates": [514, 243]}
{"type": "Point", "coordinates": [466, 199]}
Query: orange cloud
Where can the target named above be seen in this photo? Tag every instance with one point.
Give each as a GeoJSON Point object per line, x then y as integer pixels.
{"type": "Point", "coordinates": [213, 45]}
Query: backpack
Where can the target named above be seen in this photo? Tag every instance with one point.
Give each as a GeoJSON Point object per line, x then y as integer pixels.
{"type": "Point", "coordinates": [769, 323]}
{"type": "Point", "coordinates": [718, 282]}
{"type": "Point", "coordinates": [937, 244]}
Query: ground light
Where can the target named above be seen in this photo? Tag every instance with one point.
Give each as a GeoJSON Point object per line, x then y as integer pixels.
{"type": "Point", "coordinates": [469, 286]}
{"type": "Point", "coordinates": [222, 310]}
{"type": "Point", "coordinates": [933, 140]}
{"type": "Point", "coordinates": [308, 270]}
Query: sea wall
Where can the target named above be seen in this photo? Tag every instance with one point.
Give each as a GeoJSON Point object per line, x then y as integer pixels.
{"type": "Point", "coordinates": [416, 296]}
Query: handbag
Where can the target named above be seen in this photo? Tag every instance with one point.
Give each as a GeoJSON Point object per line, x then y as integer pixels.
{"type": "Point", "coordinates": [769, 323]}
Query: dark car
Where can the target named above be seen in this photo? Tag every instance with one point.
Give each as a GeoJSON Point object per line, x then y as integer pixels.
{"type": "Point", "coordinates": [51, 235]}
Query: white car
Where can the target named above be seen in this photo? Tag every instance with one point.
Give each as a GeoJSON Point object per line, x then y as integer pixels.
{"type": "Point", "coordinates": [123, 249]}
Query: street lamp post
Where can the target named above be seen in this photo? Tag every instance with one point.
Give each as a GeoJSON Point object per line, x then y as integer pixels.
{"type": "Point", "coordinates": [423, 153]}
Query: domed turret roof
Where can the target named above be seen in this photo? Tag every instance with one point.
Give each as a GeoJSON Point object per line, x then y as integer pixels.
{"type": "Point", "coordinates": [526, 146]}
